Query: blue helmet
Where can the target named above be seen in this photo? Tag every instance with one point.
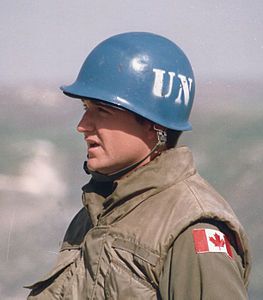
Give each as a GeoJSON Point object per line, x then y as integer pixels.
{"type": "Point", "coordinates": [142, 72]}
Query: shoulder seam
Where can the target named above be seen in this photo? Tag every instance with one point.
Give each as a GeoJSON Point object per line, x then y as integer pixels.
{"type": "Point", "coordinates": [194, 193]}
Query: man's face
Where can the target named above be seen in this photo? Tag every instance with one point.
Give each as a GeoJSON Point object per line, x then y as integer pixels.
{"type": "Point", "coordinates": [115, 138]}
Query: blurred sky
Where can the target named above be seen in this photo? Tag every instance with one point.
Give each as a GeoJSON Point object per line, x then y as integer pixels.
{"type": "Point", "coordinates": [49, 39]}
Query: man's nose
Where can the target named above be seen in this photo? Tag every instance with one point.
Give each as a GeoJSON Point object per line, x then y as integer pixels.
{"type": "Point", "coordinates": [86, 123]}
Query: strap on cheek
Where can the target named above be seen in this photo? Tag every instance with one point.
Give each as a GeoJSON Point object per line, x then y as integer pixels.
{"type": "Point", "coordinates": [116, 175]}
{"type": "Point", "coordinates": [162, 139]}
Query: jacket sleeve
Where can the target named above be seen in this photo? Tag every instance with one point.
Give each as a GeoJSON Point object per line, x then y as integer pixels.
{"type": "Point", "coordinates": [190, 275]}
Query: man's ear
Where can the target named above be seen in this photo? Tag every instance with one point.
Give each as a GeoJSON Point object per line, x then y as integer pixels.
{"type": "Point", "coordinates": [152, 130]}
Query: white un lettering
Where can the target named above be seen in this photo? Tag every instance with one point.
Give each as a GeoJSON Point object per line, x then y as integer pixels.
{"type": "Point", "coordinates": [185, 86]}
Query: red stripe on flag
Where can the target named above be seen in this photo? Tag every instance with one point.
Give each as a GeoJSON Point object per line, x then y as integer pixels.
{"type": "Point", "coordinates": [228, 247]}
{"type": "Point", "coordinates": [200, 241]}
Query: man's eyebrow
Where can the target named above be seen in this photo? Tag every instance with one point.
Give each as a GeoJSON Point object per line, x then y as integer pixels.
{"type": "Point", "coordinates": [108, 105]}
{"type": "Point", "coordinates": [97, 103]}
{"type": "Point", "coordinates": [102, 103]}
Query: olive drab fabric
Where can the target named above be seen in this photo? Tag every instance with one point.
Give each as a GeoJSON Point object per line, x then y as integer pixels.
{"type": "Point", "coordinates": [137, 243]}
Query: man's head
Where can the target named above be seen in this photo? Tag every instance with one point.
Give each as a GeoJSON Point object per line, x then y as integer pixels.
{"type": "Point", "coordinates": [137, 88]}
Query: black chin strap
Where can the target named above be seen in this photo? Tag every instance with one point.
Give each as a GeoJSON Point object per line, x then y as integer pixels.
{"type": "Point", "coordinates": [162, 138]}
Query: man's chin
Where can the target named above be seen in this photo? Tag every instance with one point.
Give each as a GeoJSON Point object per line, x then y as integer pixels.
{"type": "Point", "coordinates": [99, 169]}
{"type": "Point", "coordinates": [95, 166]}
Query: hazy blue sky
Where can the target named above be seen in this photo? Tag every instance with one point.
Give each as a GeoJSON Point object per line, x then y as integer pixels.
{"type": "Point", "coordinates": [49, 39]}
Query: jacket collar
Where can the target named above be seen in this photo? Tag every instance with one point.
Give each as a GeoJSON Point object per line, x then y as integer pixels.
{"type": "Point", "coordinates": [171, 166]}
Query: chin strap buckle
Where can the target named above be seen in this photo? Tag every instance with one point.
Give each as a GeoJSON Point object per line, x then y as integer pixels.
{"type": "Point", "coordinates": [161, 135]}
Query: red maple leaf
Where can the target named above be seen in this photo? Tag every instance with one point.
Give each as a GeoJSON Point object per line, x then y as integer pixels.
{"type": "Point", "coordinates": [217, 241]}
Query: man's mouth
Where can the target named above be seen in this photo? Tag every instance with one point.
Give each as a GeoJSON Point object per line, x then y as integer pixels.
{"type": "Point", "coordinates": [92, 145]}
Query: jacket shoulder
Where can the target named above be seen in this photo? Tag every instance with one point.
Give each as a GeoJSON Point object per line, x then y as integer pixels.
{"type": "Point", "coordinates": [208, 201]}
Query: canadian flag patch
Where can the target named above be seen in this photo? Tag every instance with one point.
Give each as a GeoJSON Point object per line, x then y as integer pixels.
{"type": "Point", "coordinates": [210, 240]}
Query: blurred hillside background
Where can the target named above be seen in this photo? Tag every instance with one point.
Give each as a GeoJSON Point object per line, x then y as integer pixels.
{"type": "Point", "coordinates": [43, 44]}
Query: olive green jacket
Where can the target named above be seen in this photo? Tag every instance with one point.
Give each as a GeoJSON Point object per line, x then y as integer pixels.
{"type": "Point", "coordinates": [137, 243]}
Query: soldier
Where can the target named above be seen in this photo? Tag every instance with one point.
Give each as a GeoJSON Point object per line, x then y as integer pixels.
{"type": "Point", "coordinates": [150, 226]}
